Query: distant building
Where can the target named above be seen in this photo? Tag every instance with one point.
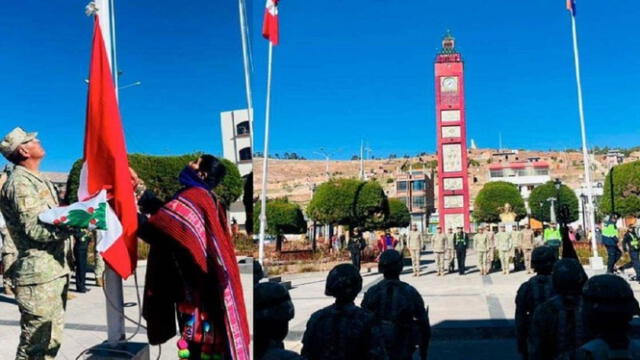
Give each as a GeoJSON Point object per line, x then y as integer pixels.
{"type": "Point", "coordinates": [237, 141]}
{"type": "Point", "coordinates": [526, 175]}
{"type": "Point", "coordinates": [614, 157]}
{"type": "Point", "coordinates": [415, 189]}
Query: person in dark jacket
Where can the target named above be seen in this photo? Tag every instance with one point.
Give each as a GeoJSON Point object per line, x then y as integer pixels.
{"type": "Point", "coordinates": [461, 243]}
{"type": "Point", "coordinates": [557, 328]}
{"type": "Point", "coordinates": [399, 309]}
{"type": "Point", "coordinates": [356, 245]}
{"type": "Point", "coordinates": [342, 331]}
{"type": "Point", "coordinates": [532, 293]}
{"type": "Point", "coordinates": [631, 244]}
{"type": "Point", "coordinates": [272, 313]}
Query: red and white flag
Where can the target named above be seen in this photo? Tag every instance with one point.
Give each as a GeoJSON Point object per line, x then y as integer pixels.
{"type": "Point", "coordinates": [270, 26]}
{"type": "Point", "coordinates": [105, 155]}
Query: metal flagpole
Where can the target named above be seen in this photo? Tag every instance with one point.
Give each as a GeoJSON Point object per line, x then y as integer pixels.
{"type": "Point", "coordinates": [596, 262]}
{"type": "Point", "coordinates": [113, 282]}
{"type": "Point", "coordinates": [263, 208]}
{"type": "Point", "coordinates": [245, 56]}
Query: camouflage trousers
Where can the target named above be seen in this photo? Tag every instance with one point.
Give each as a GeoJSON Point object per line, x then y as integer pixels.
{"type": "Point", "coordinates": [42, 309]}
{"type": "Point", "coordinates": [440, 261]}
{"type": "Point", "coordinates": [483, 262]}
{"type": "Point", "coordinates": [99, 268]}
{"type": "Point", "coordinates": [505, 257]}
{"type": "Point", "coordinates": [415, 260]}
{"type": "Point", "coordinates": [8, 260]}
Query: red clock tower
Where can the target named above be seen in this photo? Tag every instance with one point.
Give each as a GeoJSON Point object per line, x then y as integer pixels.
{"type": "Point", "coordinates": [453, 185]}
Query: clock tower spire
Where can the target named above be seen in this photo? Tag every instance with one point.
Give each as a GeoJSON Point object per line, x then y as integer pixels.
{"type": "Point", "coordinates": [453, 184]}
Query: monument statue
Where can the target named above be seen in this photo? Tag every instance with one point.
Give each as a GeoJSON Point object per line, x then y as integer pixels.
{"type": "Point", "coordinates": [507, 215]}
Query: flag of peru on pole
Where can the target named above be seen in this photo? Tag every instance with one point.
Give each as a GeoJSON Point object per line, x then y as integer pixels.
{"type": "Point", "coordinates": [105, 156]}
{"type": "Point", "coordinates": [571, 6]}
{"type": "Point", "coordinates": [270, 26]}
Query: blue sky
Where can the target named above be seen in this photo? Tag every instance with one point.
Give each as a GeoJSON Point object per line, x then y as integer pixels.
{"type": "Point", "coordinates": [363, 69]}
{"type": "Point", "coordinates": [187, 54]}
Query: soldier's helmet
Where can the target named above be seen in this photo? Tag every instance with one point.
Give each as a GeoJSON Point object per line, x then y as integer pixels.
{"type": "Point", "coordinates": [609, 300]}
{"type": "Point", "coordinates": [272, 303]}
{"type": "Point", "coordinates": [568, 277]}
{"type": "Point", "coordinates": [343, 282]}
{"type": "Point", "coordinates": [542, 259]}
{"type": "Point", "coordinates": [390, 263]}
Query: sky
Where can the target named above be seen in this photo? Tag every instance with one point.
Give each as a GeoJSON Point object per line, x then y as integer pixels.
{"type": "Point", "coordinates": [355, 70]}
{"type": "Point", "coordinates": [363, 69]}
{"type": "Point", "coordinates": [187, 54]}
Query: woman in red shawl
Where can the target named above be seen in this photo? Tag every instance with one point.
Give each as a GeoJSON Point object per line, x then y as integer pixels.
{"type": "Point", "coordinates": [192, 269]}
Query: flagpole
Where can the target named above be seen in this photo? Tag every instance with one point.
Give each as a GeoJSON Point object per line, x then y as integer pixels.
{"type": "Point", "coordinates": [113, 282]}
{"type": "Point", "coordinates": [596, 261]}
{"type": "Point", "coordinates": [263, 208]}
{"type": "Point", "coordinates": [245, 56]}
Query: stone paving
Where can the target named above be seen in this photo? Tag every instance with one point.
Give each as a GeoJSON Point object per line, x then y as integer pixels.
{"type": "Point", "coordinates": [85, 319]}
{"type": "Point", "coordinates": [471, 308]}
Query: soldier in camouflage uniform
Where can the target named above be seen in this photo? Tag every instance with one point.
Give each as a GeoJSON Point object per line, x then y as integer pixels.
{"type": "Point", "coordinates": [41, 270]}
{"type": "Point", "coordinates": [9, 253]}
{"type": "Point", "coordinates": [342, 331]}
{"type": "Point", "coordinates": [557, 328]}
{"type": "Point", "coordinates": [399, 309]}
{"type": "Point", "coordinates": [532, 293]}
{"type": "Point", "coordinates": [438, 247]}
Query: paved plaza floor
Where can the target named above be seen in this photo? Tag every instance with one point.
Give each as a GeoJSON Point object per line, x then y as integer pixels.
{"type": "Point", "coordinates": [86, 323]}
{"type": "Point", "coordinates": [469, 314]}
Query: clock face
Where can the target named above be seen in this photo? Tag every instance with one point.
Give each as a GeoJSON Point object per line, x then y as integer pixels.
{"type": "Point", "coordinates": [449, 84]}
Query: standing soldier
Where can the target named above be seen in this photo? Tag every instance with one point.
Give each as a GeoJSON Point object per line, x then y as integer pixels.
{"type": "Point", "coordinates": [461, 242]}
{"type": "Point", "coordinates": [481, 246]}
{"type": "Point", "coordinates": [631, 245]}
{"type": "Point", "coordinates": [527, 244]}
{"type": "Point", "coordinates": [41, 271]}
{"type": "Point", "coordinates": [608, 307]}
{"type": "Point", "coordinates": [504, 245]}
{"type": "Point", "coordinates": [439, 246]}
{"type": "Point", "coordinates": [491, 246]}
{"type": "Point", "coordinates": [356, 245]}
{"type": "Point", "coordinates": [399, 309]}
{"type": "Point", "coordinates": [532, 293]}
{"type": "Point", "coordinates": [99, 262]}
{"type": "Point", "coordinates": [9, 253]}
{"type": "Point", "coordinates": [450, 251]}
{"type": "Point", "coordinates": [557, 328]}
{"type": "Point", "coordinates": [516, 252]}
{"type": "Point", "coordinates": [414, 241]}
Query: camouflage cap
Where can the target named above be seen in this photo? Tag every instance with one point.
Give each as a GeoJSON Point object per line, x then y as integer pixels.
{"type": "Point", "coordinates": [14, 139]}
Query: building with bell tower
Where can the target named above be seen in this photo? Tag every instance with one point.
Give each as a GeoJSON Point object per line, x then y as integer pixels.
{"type": "Point", "coordinates": [453, 185]}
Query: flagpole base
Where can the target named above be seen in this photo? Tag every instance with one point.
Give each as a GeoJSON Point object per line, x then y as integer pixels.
{"type": "Point", "coordinates": [115, 307]}
{"type": "Point", "coordinates": [596, 263]}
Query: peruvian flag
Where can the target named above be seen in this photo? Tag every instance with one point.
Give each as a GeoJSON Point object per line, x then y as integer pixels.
{"type": "Point", "coordinates": [105, 156]}
{"type": "Point", "coordinates": [270, 26]}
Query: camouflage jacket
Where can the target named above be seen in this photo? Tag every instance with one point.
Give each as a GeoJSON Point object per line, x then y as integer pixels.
{"type": "Point", "coordinates": [42, 249]}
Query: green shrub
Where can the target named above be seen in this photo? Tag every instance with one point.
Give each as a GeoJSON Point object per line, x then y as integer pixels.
{"type": "Point", "coordinates": [626, 190]}
{"type": "Point", "coordinates": [492, 198]}
{"type": "Point", "coordinates": [540, 195]}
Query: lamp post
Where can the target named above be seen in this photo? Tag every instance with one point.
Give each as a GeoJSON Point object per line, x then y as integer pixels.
{"type": "Point", "coordinates": [552, 209]}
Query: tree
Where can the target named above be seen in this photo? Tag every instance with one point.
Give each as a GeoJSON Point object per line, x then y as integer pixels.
{"type": "Point", "coordinates": [540, 194]}
{"type": "Point", "coordinates": [626, 190]}
{"type": "Point", "coordinates": [399, 215]}
{"type": "Point", "coordinates": [160, 174]}
{"type": "Point", "coordinates": [492, 198]}
{"type": "Point", "coordinates": [283, 217]}
{"type": "Point", "coordinates": [349, 202]}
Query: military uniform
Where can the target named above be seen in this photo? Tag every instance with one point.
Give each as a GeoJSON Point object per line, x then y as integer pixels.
{"type": "Point", "coordinates": [400, 310]}
{"type": "Point", "coordinates": [491, 248]}
{"type": "Point", "coordinates": [530, 295]}
{"type": "Point", "coordinates": [450, 251]}
{"type": "Point", "coordinates": [414, 243]}
{"type": "Point", "coordinates": [481, 246]}
{"type": "Point", "coordinates": [527, 244]}
{"type": "Point", "coordinates": [8, 252]}
{"type": "Point", "coordinates": [504, 245]}
{"type": "Point", "coordinates": [41, 271]}
{"type": "Point", "coordinates": [439, 246]}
